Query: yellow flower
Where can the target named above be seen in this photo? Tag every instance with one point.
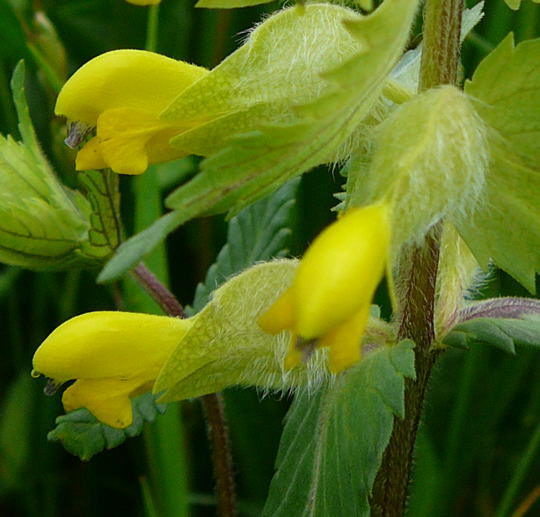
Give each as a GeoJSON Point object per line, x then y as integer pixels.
{"type": "Point", "coordinates": [329, 299]}
{"type": "Point", "coordinates": [121, 94]}
{"type": "Point", "coordinates": [112, 355]}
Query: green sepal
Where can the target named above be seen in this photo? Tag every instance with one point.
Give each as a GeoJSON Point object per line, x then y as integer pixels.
{"type": "Point", "coordinates": [83, 435]}
{"type": "Point", "coordinates": [276, 149]}
{"type": "Point", "coordinates": [437, 169]}
{"type": "Point", "coordinates": [506, 93]}
{"type": "Point", "coordinates": [334, 438]}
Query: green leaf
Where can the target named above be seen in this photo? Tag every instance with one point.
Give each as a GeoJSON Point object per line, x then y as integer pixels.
{"type": "Point", "coordinates": [334, 439]}
{"type": "Point", "coordinates": [257, 162]}
{"type": "Point", "coordinates": [260, 232]}
{"type": "Point", "coordinates": [503, 333]}
{"type": "Point", "coordinates": [84, 436]}
{"type": "Point", "coordinates": [229, 4]}
{"type": "Point", "coordinates": [506, 87]}
{"type": "Point", "coordinates": [133, 250]}
{"type": "Point", "coordinates": [407, 70]}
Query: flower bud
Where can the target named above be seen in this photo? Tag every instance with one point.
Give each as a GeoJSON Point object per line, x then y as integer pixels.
{"type": "Point", "coordinates": [328, 301]}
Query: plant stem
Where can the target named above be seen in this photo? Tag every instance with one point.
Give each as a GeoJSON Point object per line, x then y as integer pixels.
{"type": "Point", "coordinates": [161, 295]}
{"type": "Point", "coordinates": [391, 485]}
{"type": "Point", "coordinates": [214, 411]}
{"type": "Point", "coordinates": [213, 404]}
{"type": "Point", "coordinates": [440, 58]}
{"type": "Point", "coordinates": [152, 28]}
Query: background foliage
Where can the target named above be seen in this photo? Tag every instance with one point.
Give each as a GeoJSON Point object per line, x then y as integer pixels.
{"type": "Point", "coordinates": [483, 406]}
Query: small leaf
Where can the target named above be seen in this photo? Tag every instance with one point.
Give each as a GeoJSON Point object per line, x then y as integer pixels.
{"type": "Point", "coordinates": [84, 436]}
{"type": "Point", "coordinates": [503, 333]}
{"type": "Point", "coordinates": [504, 307]}
{"type": "Point", "coordinates": [334, 439]}
{"type": "Point", "coordinates": [133, 250]}
{"type": "Point", "coordinates": [506, 91]}
{"type": "Point", "coordinates": [407, 70]}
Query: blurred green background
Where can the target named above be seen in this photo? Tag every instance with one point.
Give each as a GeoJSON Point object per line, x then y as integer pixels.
{"type": "Point", "coordinates": [483, 406]}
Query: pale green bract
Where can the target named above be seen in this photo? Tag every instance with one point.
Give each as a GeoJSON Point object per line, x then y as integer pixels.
{"type": "Point", "coordinates": [428, 162]}
{"type": "Point", "coordinates": [254, 163]}
{"type": "Point", "coordinates": [332, 90]}
{"type": "Point", "coordinates": [225, 346]}
{"type": "Point", "coordinates": [506, 93]}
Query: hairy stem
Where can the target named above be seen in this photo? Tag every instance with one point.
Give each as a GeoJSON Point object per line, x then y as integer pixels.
{"type": "Point", "coordinates": [440, 58]}
{"type": "Point", "coordinates": [213, 405]}
{"type": "Point", "coordinates": [161, 295]}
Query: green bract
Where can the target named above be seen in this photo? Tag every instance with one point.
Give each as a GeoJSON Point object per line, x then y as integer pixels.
{"type": "Point", "coordinates": [334, 439]}
{"type": "Point", "coordinates": [429, 162]}
{"type": "Point", "coordinates": [225, 346]}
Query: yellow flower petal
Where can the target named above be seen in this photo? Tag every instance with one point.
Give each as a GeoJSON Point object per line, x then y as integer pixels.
{"type": "Point", "coordinates": [124, 79]}
{"type": "Point", "coordinates": [107, 399]}
{"type": "Point", "coordinates": [90, 157]}
{"type": "Point", "coordinates": [123, 93]}
{"type": "Point", "coordinates": [109, 344]}
{"type": "Point", "coordinates": [329, 299]}
{"type": "Point", "coordinates": [128, 139]}
{"type": "Point", "coordinates": [340, 271]}
{"type": "Point", "coordinates": [345, 341]}
{"type": "Point", "coordinates": [280, 315]}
